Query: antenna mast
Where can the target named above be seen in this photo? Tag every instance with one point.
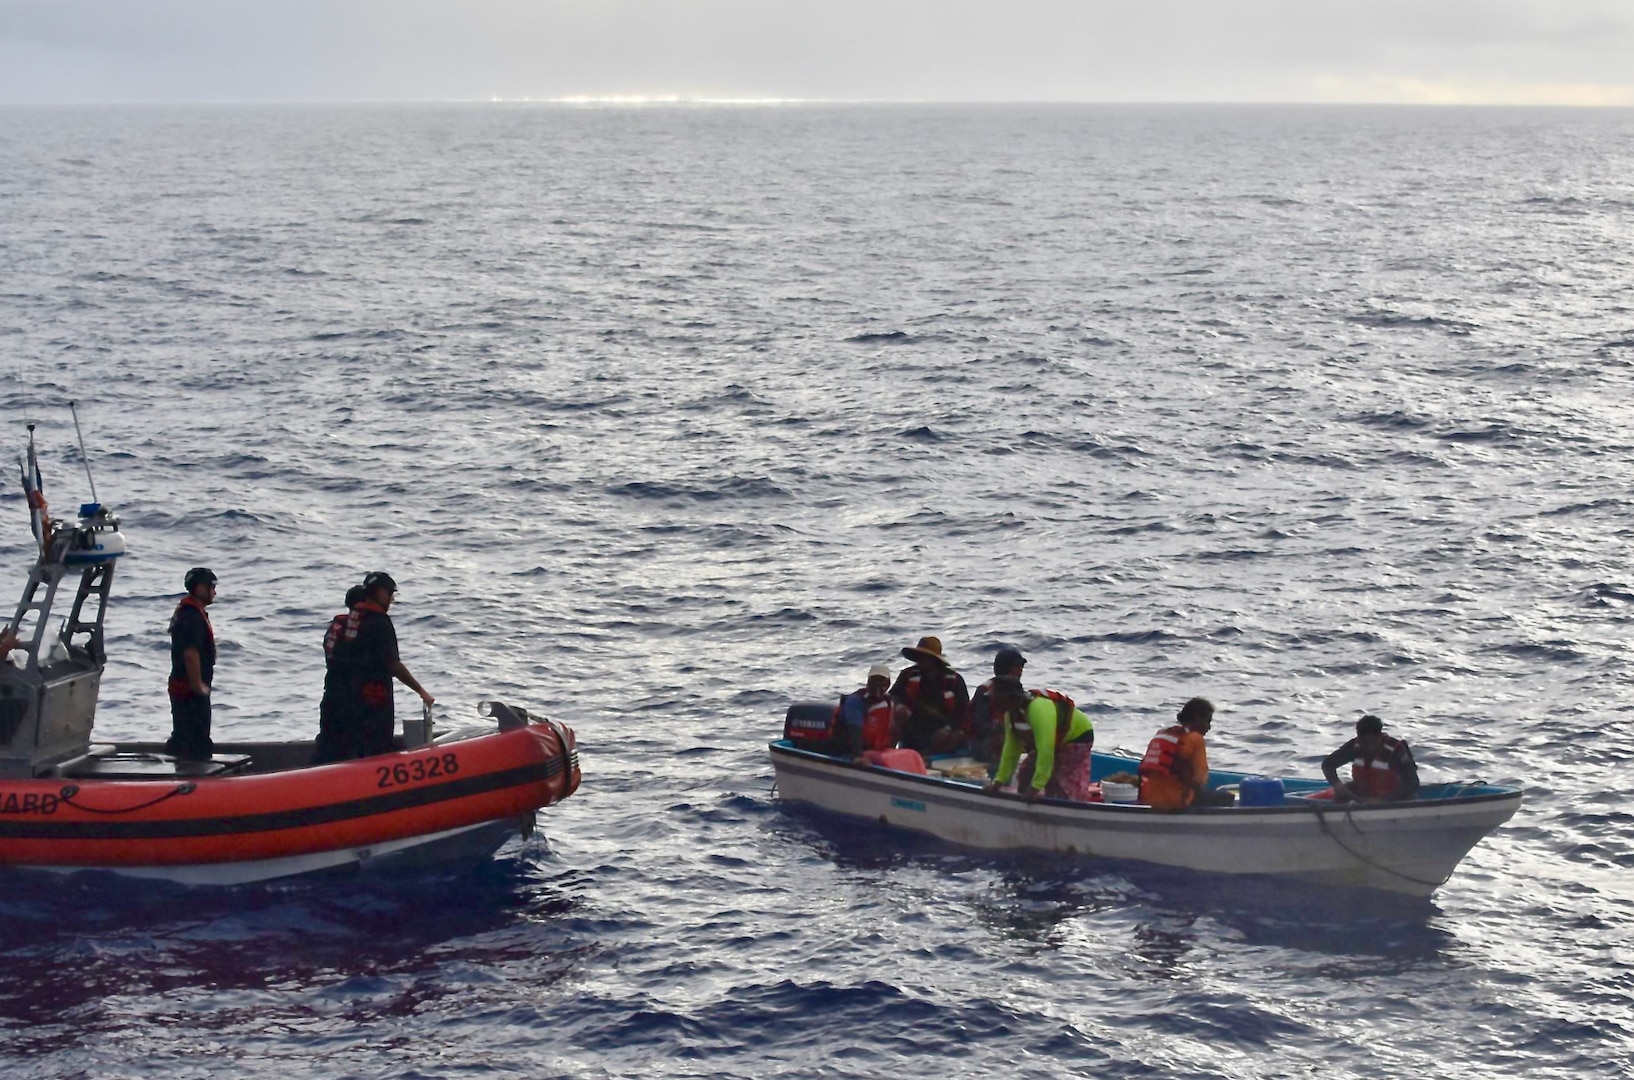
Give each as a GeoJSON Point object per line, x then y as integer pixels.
{"type": "Point", "coordinates": [82, 457]}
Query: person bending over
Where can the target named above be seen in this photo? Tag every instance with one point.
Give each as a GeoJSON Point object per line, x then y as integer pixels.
{"type": "Point", "coordinates": [1054, 735]}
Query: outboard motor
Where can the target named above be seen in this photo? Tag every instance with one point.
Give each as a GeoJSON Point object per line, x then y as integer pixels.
{"type": "Point", "coordinates": [814, 725]}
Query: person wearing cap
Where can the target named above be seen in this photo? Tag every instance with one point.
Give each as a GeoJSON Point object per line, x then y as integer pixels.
{"type": "Point", "coordinates": [869, 715]}
{"type": "Point", "coordinates": [192, 668]}
{"type": "Point", "coordinates": [1174, 771]}
{"type": "Point", "coordinates": [987, 727]}
{"type": "Point", "coordinates": [367, 650]}
{"type": "Point", "coordinates": [936, 700]}
{"type": "Point", "coordinates": [1047, 741]}
{"type": "Point", "coordinates": [336, 740]}
{"type": "Point", "coordinates": [1381, 768]}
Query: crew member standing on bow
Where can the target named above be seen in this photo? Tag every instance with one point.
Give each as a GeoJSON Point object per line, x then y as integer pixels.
{"type": "Point", "coordinates": [1174, 772]}
{"type": "Point", "coordinates": [1051, 731]}
{"type": "Point", "coordinates": [368, 650]}
{"type": "Point", "coordinates": [1381, 768]}
{"type": "Point", "coordinates": [937, 701]}
{"type": "Point", "coordinates": [337, 739]}
{"type": "Point", "coordinates": [192, 668]}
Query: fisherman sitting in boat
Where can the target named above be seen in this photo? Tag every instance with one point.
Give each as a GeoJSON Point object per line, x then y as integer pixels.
{"type": "Point", "coordinates": [1174, 772]}
{"type": "Point", "coordinates": [1381, 768]}
{"type": "Point", "coordinates": [868, 716]}
{"type": "Point", "coordinates": [1054, 735]}
{"type": "Point", "coordinates": [987, 725]}
{"type": "Point", "coordinates": [938, 704]}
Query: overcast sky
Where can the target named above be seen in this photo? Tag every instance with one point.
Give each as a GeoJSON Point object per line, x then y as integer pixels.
{"type": "Point", "coordinates": [1474, 51]}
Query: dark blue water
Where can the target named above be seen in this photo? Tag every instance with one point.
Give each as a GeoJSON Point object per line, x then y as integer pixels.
{"type": "Point", "coordinates": [664, 417]}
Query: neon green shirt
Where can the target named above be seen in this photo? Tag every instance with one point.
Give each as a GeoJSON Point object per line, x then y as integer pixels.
{"type": "Point", "coordinates": [1041, 716]}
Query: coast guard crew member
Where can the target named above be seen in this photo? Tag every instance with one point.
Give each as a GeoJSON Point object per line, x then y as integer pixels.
{"type": "Point", "coordinates": [368, 651]}
{"type": "Point", "coordinates": [192, 668]}
{"type": "Point", "coordinates": [336, 739]}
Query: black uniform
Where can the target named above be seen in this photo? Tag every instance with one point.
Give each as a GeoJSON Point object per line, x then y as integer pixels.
{"type": "Point", "coordinates": [368, 650]}
{"type": "Point", "coordinates": [189, 712]}
{"type": "Point", "coordinates": [335, 740]}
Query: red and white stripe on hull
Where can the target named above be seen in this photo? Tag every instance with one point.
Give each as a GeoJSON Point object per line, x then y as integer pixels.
{"type": "Point", "coordinates": [239, 828]}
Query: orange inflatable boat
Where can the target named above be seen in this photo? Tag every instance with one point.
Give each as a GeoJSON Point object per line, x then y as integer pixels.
{"type": "Point", "coordinates": [254, 811]}
{"type": "Point", "coordinates": [257, 811]}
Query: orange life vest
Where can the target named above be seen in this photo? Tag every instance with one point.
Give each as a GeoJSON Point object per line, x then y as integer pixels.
{"type": "Point", "coordinates": [876, 724]}
{"type": "Point", "coordinates": [1161, 752]}
{"type": "Point", "coordinates": [1373, 778]}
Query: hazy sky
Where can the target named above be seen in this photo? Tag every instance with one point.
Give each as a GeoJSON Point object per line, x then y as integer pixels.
{"type": "Point", "coordinates": [1499, 51]}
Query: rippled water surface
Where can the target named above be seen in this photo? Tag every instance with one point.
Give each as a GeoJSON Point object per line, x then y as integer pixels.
{"type": "Point", "coordinates": [665, 417]}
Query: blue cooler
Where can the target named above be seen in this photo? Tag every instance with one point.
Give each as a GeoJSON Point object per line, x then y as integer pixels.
{"type": "Point", "coordinates": [1259, 791]}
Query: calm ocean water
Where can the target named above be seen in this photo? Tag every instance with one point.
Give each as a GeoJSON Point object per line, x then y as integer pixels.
{"type": "Point", "coordinates": [664, 417]}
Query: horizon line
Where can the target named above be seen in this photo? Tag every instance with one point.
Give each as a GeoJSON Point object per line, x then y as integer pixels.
{"type": "Point", "coordinates": [718, 101]}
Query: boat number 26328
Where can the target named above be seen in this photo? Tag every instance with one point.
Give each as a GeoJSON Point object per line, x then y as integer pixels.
{"type": "Point", "coordinates": [420, 769]}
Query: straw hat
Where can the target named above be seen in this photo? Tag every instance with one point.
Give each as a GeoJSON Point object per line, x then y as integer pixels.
{"type": "Point", "coordinates": [929, 650]}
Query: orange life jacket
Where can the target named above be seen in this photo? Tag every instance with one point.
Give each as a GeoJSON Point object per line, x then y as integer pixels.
{"type": "Point", "coordinates": [1373, 778]}
{"type": "Point", "coordinates": [1161, 752]}
{"type": "Point", "coordinates": [876, 724]}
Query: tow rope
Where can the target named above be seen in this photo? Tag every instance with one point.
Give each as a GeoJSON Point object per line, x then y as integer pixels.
{"type": "Point", "coordinates": [1322, 819]}
{"type": "Point", "coordinates": [67, 796]}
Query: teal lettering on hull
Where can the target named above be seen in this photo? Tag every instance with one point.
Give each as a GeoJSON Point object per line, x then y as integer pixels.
{"type": "Point", "coordinates": [909, 804]}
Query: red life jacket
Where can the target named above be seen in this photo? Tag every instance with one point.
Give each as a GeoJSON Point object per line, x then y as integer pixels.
{"type": "Point", "coordinates": [1063, 715]}
{"type": "Point", "coordinates": [876, 724]}
{"type": "Point", "coordinates": [950, 700]}
{"type": "Point", "coordinates": [1161, 752]}
{"type": "Point", "coordinates": [1373, 777]}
